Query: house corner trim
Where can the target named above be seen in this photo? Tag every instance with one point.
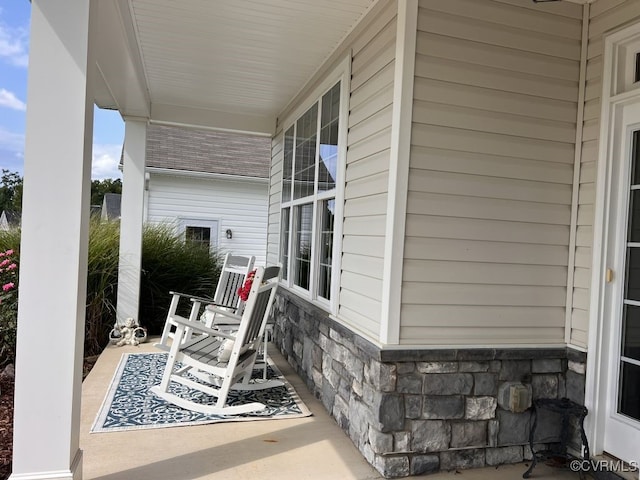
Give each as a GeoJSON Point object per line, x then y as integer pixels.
{"type": "Point", "coordinates": [407, 27]}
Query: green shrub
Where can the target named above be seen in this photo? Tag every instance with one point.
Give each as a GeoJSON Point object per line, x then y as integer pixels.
{"type": "Point", "coordinates": [167, 264]}
{"type": "Point", "coordinates": [170, 264]}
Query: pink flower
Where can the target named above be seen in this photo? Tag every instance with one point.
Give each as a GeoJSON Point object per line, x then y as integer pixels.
{"type": "Point", "coordinates": [13, 266]}
{"type": "Point", "coordinates": [8, 286]}
{"type": "Point", "coordinates": [5, 261]}
{"type": "Point", "coordinates": [9, 252]}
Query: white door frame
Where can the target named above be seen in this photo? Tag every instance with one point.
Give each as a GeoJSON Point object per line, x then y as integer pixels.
{"type": "Point", "coordinates": [618, 91]}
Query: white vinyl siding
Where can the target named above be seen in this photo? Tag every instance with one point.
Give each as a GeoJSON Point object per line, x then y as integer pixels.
{"type": "Point", "coordinates": [239, 206]}
{"type": "Point", "coordinates": [605, 15]}
{"type": "Point", "coordinates": [491, 172]}
{"type": "Point", "coordinates": [275, 190]}
{"type": "Point", "coordinates": [367, 175]}
{"type": "Point", "coordinates": [372, 45]}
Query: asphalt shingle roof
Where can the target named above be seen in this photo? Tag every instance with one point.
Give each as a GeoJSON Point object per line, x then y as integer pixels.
{"type": "Point", "coordinates": [208, 151]}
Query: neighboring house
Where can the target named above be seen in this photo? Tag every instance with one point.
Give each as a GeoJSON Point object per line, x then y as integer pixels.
{"type": "Point", "coordinates": [111, 207]}
{"type": "Point", "coordinates": [212, 186]}
{"type": "Point", "coordinates": [453, 197]}
{"type": "Point", "coordinates": [9, 219]}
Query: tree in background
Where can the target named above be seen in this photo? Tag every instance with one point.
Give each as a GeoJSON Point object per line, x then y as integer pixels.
{"type": "Point", "coordinates": [100, 187]}
{"type": "Point", "coordinates": [10, 191]}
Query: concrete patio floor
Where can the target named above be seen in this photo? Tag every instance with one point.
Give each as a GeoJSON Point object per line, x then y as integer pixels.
{"type": "Point", "coordinates": [304, 448]}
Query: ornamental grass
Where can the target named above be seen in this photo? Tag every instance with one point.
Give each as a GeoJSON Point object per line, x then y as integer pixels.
{"type": "Point", "coordinates": [168, 264]}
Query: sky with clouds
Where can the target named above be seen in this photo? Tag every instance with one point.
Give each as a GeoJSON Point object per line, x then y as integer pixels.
{"type": "Point", "coordinates": [14, 61]}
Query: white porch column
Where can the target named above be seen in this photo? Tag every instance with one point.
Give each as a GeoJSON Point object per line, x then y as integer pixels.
{"type": "Point", "coordinates": [55, 229]}
{"type": "Point", "coordinates": [131, 218]}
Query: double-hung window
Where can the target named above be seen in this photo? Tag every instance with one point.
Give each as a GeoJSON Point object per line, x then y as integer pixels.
{"type": "Point", "coordinates": [310, 210]}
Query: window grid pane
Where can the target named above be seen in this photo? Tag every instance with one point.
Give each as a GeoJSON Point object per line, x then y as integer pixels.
{"type": "Point", "coordinates": [287, 165]}
{"type": "Point", "coordinates": [629, 390]}
{"type": "Point", "coordinates": [198, 235]}
{"type": "Point", "coordinates": [629, 376]}
{"type": "Point", "coordinates": [327, 219]}
{"type": "Point", "coordinates": [284, 254]}
{"type": "Point", "coordinates": [305, 166]}
{"type": "Point", "coordinates": [302, 246]}
{"type": "Point", "coordinates": [329, 124]}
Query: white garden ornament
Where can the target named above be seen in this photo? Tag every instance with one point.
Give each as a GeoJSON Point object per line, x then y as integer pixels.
{"type": "Point", "coordinates": [128, 334]}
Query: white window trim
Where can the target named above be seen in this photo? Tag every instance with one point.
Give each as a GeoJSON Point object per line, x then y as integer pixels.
{"type": "Point", "coordinates": [342, 74]}
{"type": "Point", "coordinates": [212, 223]}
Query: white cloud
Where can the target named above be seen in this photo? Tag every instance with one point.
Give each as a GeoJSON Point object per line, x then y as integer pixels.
{"type": "Point", "coordinates": [13, 142]}
{"type": "Point", "coordinates": [14, 45]}
{"type": "Point", "coordinates": [9, 100]}
{"type": "Point", "coordinates": [105, 161]}
{"type": "Point", "coordinates": [11, 151]}
{"type": "Point", "coordinates": [106, 157]}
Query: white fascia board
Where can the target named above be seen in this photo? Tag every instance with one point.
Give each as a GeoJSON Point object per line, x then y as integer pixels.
{"type": "Point", "coordinates": [120, 71]}
{"type": "Point", "coordinates": [190, 117]}
{"type": "Point", "coordinates": [205, 175]}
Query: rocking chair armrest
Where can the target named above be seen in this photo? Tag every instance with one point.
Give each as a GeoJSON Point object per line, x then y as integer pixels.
{"type": "Point", "coordinates": [208, 300]}
{"type": "Point", "coordinates": [225, 313]}
{"type": "Point", "coordinates": [199, 327]}
{"type": "Point", "coordinates": [211, 301]}
{"type": "Point", "coordinates": [189, 295]}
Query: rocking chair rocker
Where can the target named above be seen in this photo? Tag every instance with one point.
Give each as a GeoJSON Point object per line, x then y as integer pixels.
{"type": "Point", "coordinates": [206, 353]}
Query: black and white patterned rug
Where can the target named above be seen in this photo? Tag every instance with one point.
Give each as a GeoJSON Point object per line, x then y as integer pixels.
{"type": "Point", "coordinates": [130, 405]}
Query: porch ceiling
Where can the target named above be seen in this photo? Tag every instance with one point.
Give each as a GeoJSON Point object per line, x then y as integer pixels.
{"type": "Point", "coordinates": [216, 63]}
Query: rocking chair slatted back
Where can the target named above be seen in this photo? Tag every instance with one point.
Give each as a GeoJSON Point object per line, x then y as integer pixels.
{"type": "Point", "coordinates": [260, 307]}
{"type": "Point", "coordinates": [232, 276]}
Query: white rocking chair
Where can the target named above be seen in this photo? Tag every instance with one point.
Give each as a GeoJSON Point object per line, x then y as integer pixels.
{"type": "Point", "coordinates": [225, 301]}
{"type": "Point", "coordinates": [205, 354]}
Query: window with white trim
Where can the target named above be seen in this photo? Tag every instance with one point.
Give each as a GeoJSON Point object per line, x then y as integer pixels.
{"type": "Point", "coordinates": [312, 154]}
{"type": "Point", "coordinates": [199, 231]}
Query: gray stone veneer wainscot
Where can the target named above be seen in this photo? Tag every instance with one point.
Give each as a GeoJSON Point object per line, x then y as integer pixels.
{"type": "Point", "coordinates": [412, 412]}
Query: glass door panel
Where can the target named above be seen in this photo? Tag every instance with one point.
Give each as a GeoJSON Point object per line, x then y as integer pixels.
{"type": "Point", "coordinates": [629, 373]}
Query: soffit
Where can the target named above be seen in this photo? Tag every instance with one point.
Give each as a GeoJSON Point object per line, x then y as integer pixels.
{"type": "Point", "coordinates": [240, 60]}
{"type": "Point", "coordinates": [227, 64]}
